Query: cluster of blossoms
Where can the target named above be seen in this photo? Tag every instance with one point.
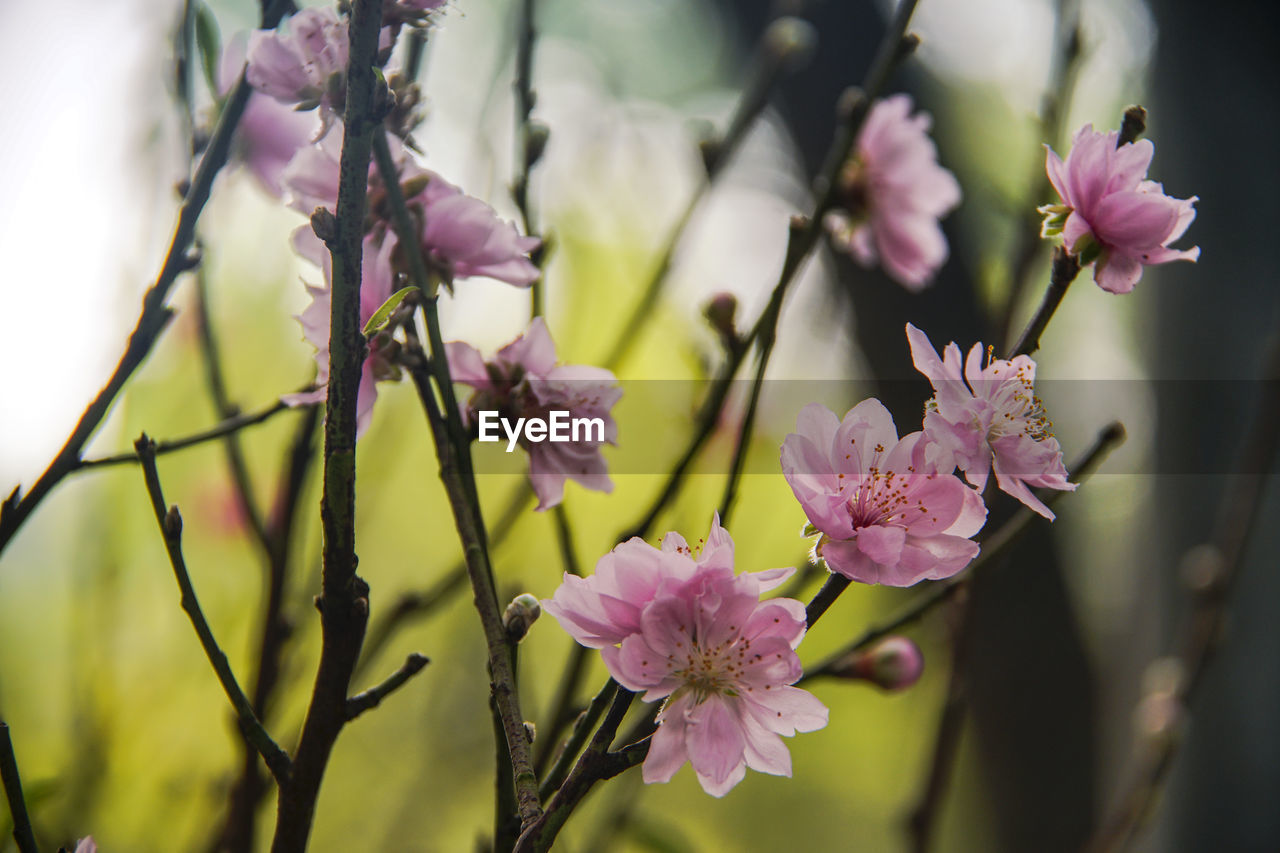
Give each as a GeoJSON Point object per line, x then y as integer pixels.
{"type": "Point", "coordinates": [677, 626]}
{"type": "Point", "coordinates": [686, 630]}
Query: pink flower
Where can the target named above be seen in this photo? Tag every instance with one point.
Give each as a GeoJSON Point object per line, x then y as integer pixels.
{"type": "Point", "coordinates": [304, 62]}
{"type": "Point", "coordinates": [994, 422]}
{"type": "Point", "coordinates": [461, 236]}
{"type": "Point", "coordinates": [688, 631]}
{"type": "Point", "coordinates": [889, 511]}
{"type": "Point", "coordinates": [523, 381]}
{"type": "Point", "coordinates": [1110, 213]}
{"type": "Point", "coordinates": [86, 845]}
{"type": "Point", "coordinates": [269, 133]}
{"type": "Point", "coordinates": [892, 193]}
{"type": "Point", "coordinates": [376, 286]}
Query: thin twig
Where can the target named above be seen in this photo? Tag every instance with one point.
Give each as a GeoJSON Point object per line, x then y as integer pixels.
{"type": "Point", "coordinates": [239, 828]}
{"type": "Point", "coordinates": [595, 764]}
{"type": "Point", "coordinates": [170, 522]}
{"type": "Point", "coordinates": [804, 235]}
{"type": "Point", "coordinates": [454, 457]}
{"type": "Point", "coordinates": [1223, 561]}
{"type": "Point", "coordinates": [1055, 104]}
{"type": "Point", "coordinates": [227, 427]}
{"type": "Point", "coordinates": [155, 314]}
{"type": "Point", "coordinates": [22, 832]}
{"type": "Point", "coordinates": [372, 697]}
{"type": "Point", "coordinates": [216, 383]}
{"type": "Point", "coordinates": [785, 45]}
{"type": "Point", "coordinates": [575, 665]}
{"type": "Point", "coordinates": [1066, 267]}
{"type": "Point", "coordinates": [946, 744]}
{"type": "Point", "coordinates": [343, 600]}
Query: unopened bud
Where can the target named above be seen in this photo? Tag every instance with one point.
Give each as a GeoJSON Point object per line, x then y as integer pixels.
{"type": "Point", "coordinates": [792, 40]}
{"type": "Point", "coordinates": [520, 614]}
{"type": "Point", "coordinates": [536, 141]}
{"type": "Point", "coordinates": [894, 663]}
{"type": "Point", "coordinates": [720, 313]}
{"type": "Point", "coordinates": [530, 731]}
{"type": "Point", "coordinates": [325, 225]}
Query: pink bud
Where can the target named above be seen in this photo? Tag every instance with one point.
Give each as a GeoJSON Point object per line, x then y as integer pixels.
{"type": "Point", "coordinates": [892, 664]}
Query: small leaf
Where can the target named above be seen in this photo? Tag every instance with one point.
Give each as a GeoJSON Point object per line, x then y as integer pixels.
{"type": "Point", "coordinates": [209, 41]}
{"type": "Point", "coordinates": [380, 317]}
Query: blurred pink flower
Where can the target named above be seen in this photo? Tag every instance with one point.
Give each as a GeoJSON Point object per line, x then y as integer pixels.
{"type": "Point", "coordinates": [376, 286]}
{"type": "Point", "coordinates": [524, 381]}
{"type": "Point", "coordinates": [303, 62]}
{"type": "Point", "coordinates": [461, 236]}
{"type": "Point", "coordinates": [688, 631]}
{"type": "Point", "coordinates": [269, 133]}
{"type": "Point", "coordinates": [993, 421]}
{"type": "Point", "coordinates": [889, 511]}
{"type": "Point", "coordinates": [86, 845]}
{"type": "Point", "coordinates": [1110, 214]}
{"type": "Point", "coordinates": [892, 193]}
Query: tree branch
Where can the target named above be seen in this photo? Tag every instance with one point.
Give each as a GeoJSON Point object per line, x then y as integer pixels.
{"type": "Point", "coordinates": [343, 600]}
{"type": "Point", "coordinates": [155, 315]}
{"type": "Point", "coordinates": [170, 522]}
{"type": "Point", "coordinates": [372, 697]}
{"type": "Point", "coordinates": [784, 47]}
{"type": "Point", "coordinates": [22, 832]}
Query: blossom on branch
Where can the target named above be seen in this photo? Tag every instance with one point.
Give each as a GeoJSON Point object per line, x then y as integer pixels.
{"type": "Point", "coordinates": [888, 511]}
{"type": "Point", "coordinates": [892, 193]}
{"type": "Point", "coordinates": [991, 419]}
{"type": "Point", "coordinates": [523, 381]}
{"type": "Point", "coordinates": [376, 286]}
{"type": "Point", "coordinates": [1110, 214]}
{"type": "Point", "coordinates": [304, 62]}
{"type": "Point", "coordinates": [686, 630]}
{"type": "Point", "coordinates": [461, 236]}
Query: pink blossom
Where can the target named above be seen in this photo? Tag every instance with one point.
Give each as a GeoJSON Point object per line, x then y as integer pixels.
{"type": "Point", "coordinates": [86, 845]}
{"type": "Point", "coordinates": [993, 421]}
{"type": "Point", "coordinates": [304, 62]}
{"type": "Point", "coordinates": [461, 236]}
{"type": "Point", "coordinates": [889, 511]}
{"type": "Point", "coordinates": [892, 194]}
{"type": "Point", "coordinates": [524, 381]}
{"type": "Point", "coordinates": [1110, 213]}
{"type": "Point", "coordinates": [686, 630]}
{"type": "Point", "coordinates": [269, 133]}
{"type": "Point", "coordinates": [376, 287]}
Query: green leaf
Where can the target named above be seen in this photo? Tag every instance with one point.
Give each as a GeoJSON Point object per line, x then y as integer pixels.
{"type": "Point", "coordinates": [380, 317]}
{"type": "Point", "coordinates": [209, 41]}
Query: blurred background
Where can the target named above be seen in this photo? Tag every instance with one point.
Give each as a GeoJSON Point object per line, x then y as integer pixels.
{"type": "Point", "coordinates": [121, 729]}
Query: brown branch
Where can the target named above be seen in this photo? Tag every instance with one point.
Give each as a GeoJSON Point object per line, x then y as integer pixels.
{"type": "Point", "coordinates": [22, 832]}
{"type": "Point", "coordinates": [155, 314]}
{"type": "Point", "coordinates": [170, 522]}
{"type": "Point", "coordinates": [372, 697]}
{"type": "Point", "coordinates": [343, 600]}
{"type": "Point", "coordinates": [1066, 267]}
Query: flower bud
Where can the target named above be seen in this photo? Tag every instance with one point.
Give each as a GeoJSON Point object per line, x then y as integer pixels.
{"type": "Point", "coordinates": [894, 663]}
{"type": "Point", "coordinates": [720, 313]}
{"type": "Point", "coordinates": [520, 614]}
{"type": "Point", "coordinates": [792, 40]}
{"type": "Point", "coordinates": [325, 225]}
